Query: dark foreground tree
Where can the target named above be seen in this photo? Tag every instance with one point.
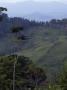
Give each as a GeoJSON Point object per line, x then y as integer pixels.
{"type": "Point", "coordinates": [27, 75]}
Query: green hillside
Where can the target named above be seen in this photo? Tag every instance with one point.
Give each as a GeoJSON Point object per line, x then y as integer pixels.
{"type": "Point", "coordinates": [47, 48]}
{"type": "Point", "coordinates": [45, 43]}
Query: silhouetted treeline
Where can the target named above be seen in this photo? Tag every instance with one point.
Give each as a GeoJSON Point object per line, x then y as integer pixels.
{"type": "Point", "coordinates": [17, 21]}
{"type": "Point", "coordinates": [54, 23]}
{"type": "Point", "coordinates": [24, 22]}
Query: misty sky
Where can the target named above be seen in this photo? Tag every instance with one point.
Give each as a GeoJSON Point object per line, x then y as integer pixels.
{"type": "Point", "coordinates": [50, 9]}
{"type": "Point", "coordinates": [13, 1]}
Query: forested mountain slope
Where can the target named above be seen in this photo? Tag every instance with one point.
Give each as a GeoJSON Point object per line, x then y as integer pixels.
{"type": "Point", "coordinates": [45, 43]}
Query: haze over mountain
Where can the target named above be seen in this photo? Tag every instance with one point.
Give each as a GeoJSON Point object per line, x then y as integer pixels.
{"type": "Point", "coordinates": [37, 10]}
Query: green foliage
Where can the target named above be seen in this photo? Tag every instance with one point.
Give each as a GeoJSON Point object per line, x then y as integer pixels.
{"type": "Point", "coordinates": [63, 77]}
{"type": "Point", "coordinates": [26, 73]}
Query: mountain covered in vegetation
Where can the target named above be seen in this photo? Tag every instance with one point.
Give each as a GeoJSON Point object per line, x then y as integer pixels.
{"type": "Point", "coordinates": [45, 43]}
